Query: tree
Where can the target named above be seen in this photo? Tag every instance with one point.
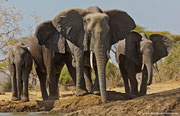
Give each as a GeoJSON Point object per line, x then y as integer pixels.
{"type": "Point", "coordinates": [9, 27]}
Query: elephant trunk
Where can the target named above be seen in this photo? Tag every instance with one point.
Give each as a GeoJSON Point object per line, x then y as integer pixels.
{"type": "Point", "coordinates": [101, 58]}
{"type": "Point", "coordinates": [19, 77]}
{"type": "Point", "coordinates": [150, 73]}
{"type": "Point", "coordinates": [148, 63]}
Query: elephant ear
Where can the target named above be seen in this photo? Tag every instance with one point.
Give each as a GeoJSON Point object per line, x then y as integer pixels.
{"type": "Point", "coordinates": [47, 35]}
{"type": "Point", "coordinates": [120, 24]}
{"type": "Point", "coordinates": [70, 24]}
{"type": "Point", "coordinates": [132, 47]}
{"type": "Point", "coordinates": [162, 46]}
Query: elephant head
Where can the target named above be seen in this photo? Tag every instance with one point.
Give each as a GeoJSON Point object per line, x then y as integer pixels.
{"type": "Point", "coordinates": [144, 52]}
{"type": "Point", "coordinates": [88, 30]}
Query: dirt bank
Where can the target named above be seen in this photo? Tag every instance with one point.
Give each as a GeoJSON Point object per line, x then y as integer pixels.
{"type": "Point", "coordinates": [163, 97]}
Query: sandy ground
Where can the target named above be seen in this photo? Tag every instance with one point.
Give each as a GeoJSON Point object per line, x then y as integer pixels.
{"type": "Point", "coordinates": [162, 98]}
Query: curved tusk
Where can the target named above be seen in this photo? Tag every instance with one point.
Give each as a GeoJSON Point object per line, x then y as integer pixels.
{"type": "Point", "coordinates": [91, 59]}
{"type": "Point", "coordinates": [142, 66]}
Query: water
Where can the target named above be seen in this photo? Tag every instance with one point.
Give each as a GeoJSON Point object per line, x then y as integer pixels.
{"type": "Point", "coordinates": [32, 114]}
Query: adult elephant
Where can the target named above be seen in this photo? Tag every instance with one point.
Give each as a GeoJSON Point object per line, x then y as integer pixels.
{"type": "Point", "coordinates": [19, 62]}
{"type": "Point", "coordinates": [136, 54]}
{"type": "Point", "coordinates": [86, 30]}
{"type": "Point", "coordinates": [48, 66]}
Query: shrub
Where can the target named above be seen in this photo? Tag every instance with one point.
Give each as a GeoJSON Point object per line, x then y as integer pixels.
{"type": "Point", "coordinates": [65, 77]}
{"type": "Point", "coordinates": [113, 74]}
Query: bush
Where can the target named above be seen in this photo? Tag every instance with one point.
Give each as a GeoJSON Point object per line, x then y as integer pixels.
{"type": "Point", "coordinates": [65, 77]}
{"type": "Point", "coordinates": [113, 74]}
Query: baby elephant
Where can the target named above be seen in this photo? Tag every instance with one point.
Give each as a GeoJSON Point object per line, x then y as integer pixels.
{"type": "Point", "coordinates": [19, 62]}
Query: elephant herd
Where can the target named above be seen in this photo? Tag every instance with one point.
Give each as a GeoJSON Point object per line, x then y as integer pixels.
{"type": "Point", "coordinates": [82, 39]}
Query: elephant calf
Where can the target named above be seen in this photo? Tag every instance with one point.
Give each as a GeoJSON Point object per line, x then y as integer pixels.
{"type": "Point", "coordinates": [137, 54]}
{"type": "Point", "coordinates": [19, 61]}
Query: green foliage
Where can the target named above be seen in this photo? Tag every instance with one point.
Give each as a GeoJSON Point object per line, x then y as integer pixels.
{"type": "Point", "coordinates": [65, 76]}
{"type": "Point", "coordinates": [3, 66]}
{"type": "Point", "coordinates": [139, 29]}
{"type": "Point", "coordinates": [113, 73]}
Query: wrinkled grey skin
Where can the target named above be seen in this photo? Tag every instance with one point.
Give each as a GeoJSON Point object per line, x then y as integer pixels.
{"type": "Point", "coordinates": [87, 31]}
{"type": "Point", "coordinates": [48, 67]}
{"type": "Point", "coordinates": [19, 62]}
{"type": "Point", "coordinates": [137, 54]}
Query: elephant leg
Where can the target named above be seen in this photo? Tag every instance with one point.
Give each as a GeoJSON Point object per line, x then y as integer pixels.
{"type": "Point", "coordinates": [96, 88]}
{"type": "Point", "coordinates": [55, 94]}
{"type": "Point", "coordinates": [71, 69]}
{"type": "Point", "coordinates": [143, 88]}
{"type": "Point", "coordinates": [87, 77]}
{"type": "Point", "coordinates": [42, 79]}
{"type": "Point", "coordinates": [131, 69]}
{"type": "Point", "coordinates": [14, 83]}
{"type": "Point", "coordinates": [125, 78]}
{"type": "Point", "coordinates": [57, 87]}
{"type": "Point", "coordinates": [19, 87]}
{"type": "Point", "coordinates": [52, 86]}
{"type": "Point", "coordinates": [134, 84]}
{"type": "Point", "coordinates": [80, 81]}
{"type": "Point", "coordinates": [25, 77]}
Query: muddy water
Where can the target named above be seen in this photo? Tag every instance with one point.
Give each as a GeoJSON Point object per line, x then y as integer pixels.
{"type": "Point", "coordinates": [32, 114]}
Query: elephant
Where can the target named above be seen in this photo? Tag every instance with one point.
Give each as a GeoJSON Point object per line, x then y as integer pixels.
{"type": "Point", "coordinates": [48, 65]}
{"type": "Point", "coordinates": [88, 31]}
{"type": "Point", "coordinates": [19, 62]}
{"type": "Point", "coordinates": [135, 54]}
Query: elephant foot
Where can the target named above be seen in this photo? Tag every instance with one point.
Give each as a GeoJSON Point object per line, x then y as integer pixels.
{"type": "Point", "coordinates": [130, 96]}
{"type": "Point", "coordinates": [45, 98]}
{"type": "Point", "coordinates": [141, 94]}
{"type": "Point", "coordinates": [95, 91]}
{"type": "Point", "coordinates": [25, 99]}
{"type": "Point", "coordinates": [15, 98]}
{"type": "Point", "coordinates": [134, 93]}
{"type": "Point", "coordinates": [80, 92]}
{"type": "Point", "coordinates": [53, 98]}
{"type": "Point", "coordinates": [149, 83]}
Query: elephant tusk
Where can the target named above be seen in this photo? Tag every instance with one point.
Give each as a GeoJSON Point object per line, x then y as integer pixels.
{"type": "Point", "coordinates": [142, 66]}
{"type": "Point", "coordinates": [91, 59]}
